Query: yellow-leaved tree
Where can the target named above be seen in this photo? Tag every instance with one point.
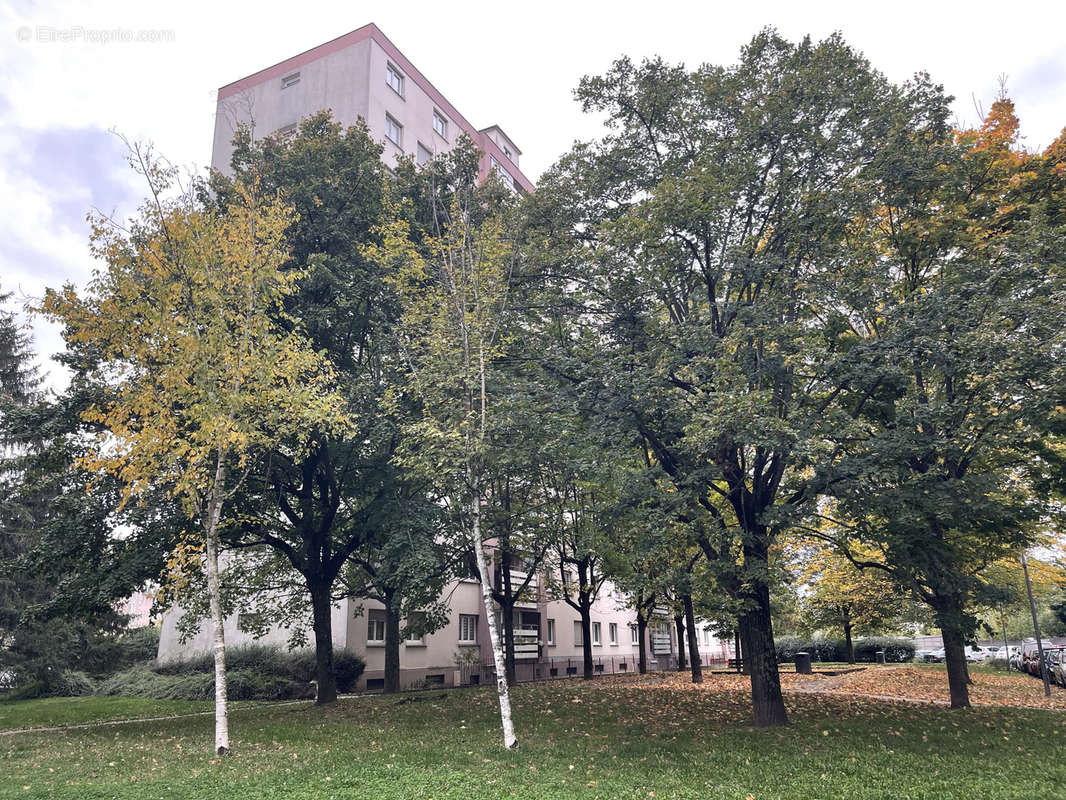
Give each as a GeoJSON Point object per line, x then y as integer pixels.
{"type": "Point", "coordinates": [204, 369]}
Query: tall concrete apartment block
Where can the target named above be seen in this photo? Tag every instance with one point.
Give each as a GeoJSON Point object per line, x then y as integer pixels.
{"type": "Point", "coordinates": [360, 75]}
{"type": "Point", "coordinates": [363, 75]}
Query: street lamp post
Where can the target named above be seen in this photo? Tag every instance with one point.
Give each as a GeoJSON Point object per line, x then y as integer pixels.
{"type": "Point", "coordinates": [1036, 628]}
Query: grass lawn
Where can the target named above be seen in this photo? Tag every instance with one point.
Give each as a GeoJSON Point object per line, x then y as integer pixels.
{"type": "Point", "coordinates": [74, 710]}
{"type": "Point", "coordinates": [608, 739]}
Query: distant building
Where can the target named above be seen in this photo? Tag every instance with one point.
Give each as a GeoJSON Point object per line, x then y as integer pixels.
{"type": "Point", "coordinates": [363, 75]}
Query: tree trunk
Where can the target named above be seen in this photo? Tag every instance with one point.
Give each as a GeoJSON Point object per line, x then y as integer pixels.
{"type": "Point", "coordinates": [949, 618]}
{"type": "Point", "coordinates": [693, 641]}
{"type": "Point", "coordinates": [642, 643]}
{"type": "Point", "coordinates": [507, 612]}
{"type": "Point", "coordinates": [322, 616]}
{"type": "Point", "coordinates": [849, 648]}
{"type": "Point", "coordinates": [679, 623]}
{"type": "Point", "coordinates": [392, 645]}
{"type": "Point", "coordinates": [214, 512]}
{"type": "Point", "coordinates": [759, 653]}
{"type": "Point", "coordinates": [510, 740]}
{"type": "Point", "coordinates": [586, 639]}
{"type": "Point", "coordinates": [736, 647]}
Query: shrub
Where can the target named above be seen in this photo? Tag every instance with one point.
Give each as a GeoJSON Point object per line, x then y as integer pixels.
{"type": "Point", "coordinates": [819, 649]}
{"type": "Point", "coordinates": [896, 650]}
{"type": "Point", "coordinates": [295, 666]}
{"type": "Point", "coordinates": [347, 666]}
{"type": "Point", "coordinates": [253, 672]}
{"type": "Point", "coordinates": [73, 683]}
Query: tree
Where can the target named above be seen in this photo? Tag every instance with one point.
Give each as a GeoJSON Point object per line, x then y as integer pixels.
{"type": "Point", "coordinates": [842, 596]}
{"type": "Point", "coordinates": [406, 567]}
{"type": "Point", "coordinates": [701, 245]}
{"type": "Point", "coordinates": [453, 282]}
{"type": "Point", "coordinates": [185, 314]}
{"type": "Point", "coordinates": [947, 474]}
{"type": "Point", "coordinates": [315, 500]}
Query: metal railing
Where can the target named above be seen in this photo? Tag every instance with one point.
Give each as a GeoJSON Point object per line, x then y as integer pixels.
{"type": "Point", "coordinates": [556, 668]}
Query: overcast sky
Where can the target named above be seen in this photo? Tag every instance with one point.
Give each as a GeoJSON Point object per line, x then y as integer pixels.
{"type": "Point", "coordinates": [514, 64]}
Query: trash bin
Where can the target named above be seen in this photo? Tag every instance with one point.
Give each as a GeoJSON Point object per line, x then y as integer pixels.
{"type": "Point", "coordinates": [880, 656]}
{"type": "Point", "coordinates": [803, 663]}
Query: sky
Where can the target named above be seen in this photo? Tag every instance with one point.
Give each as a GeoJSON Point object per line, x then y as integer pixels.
{"type": "Point", "coordinates": [74, 72]}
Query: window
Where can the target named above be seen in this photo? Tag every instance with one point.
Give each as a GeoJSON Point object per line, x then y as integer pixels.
{"type": "Point", "coordinates": [504, 175]}
{"type": "Point", "coordinates": [290, 80]}
{"type": "Point", "coordinates": [507, 153]}
{"type": "Point", "coordinates": [394, 79]}
{"type": "Point", "coordinates": [467, 628]}
{"type": "Point", "coordinates": [634, 634]}
{"type": "Point", "coordinates": [393, 131]}
{"type": "Point", "coordinates": [425, 155]}
{"type": "Point", "coordinates": [551, 631]}
{"type": "Point", "coordinates": [596, 633]}
{"type": "Point", "coordinates": [414, 621]}
{"type": "Point", "coordinates": [285, 130]}
{"type": "Point", "coordinates": [440, 124]}
{"type": "Point", "coordinates": [578, 638]}
{"type": "Point", "coordinates": [706, 637]}
{"type": "Point", "coordinates": [612, 633]}
{"type": "Point", "coordinates": [375, 627]}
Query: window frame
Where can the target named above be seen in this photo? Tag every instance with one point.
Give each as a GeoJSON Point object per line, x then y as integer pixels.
{"type": "Point", "coordinates": [442, 132]}
{"type": "Point", "coordinates": [471, 621]}
{"type": "Point", "coordinates": [579, 633]}
{"type": "Point", "coordinates": [419, 641]}
{"type": "Point", "coordinates": [597, 634]}
{"type": "Point", "coordinates": [612, 634]}
{"type": "Point", "coordinates": [375, 617]}
{"type": "Point", "coordinates": [391, 120]}
{"type": "Point", "coordinates": [634, 633]}
{"type": "Point", "coordinates": [419, 149]}
{"type": "Point", "coordinates": [550, 631]}
{"type": "Point", "coordinates": [392, 71]}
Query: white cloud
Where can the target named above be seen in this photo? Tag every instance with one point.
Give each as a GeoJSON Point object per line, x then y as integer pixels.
{"type": "Point", "coordinates": [511, 64]}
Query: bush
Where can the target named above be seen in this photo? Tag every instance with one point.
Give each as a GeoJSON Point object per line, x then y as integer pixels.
{"type": "Point", "coordinates": [296, 666]}
{"type": "Point", "coordinates": [896, 650]}
{"type": "Point", "coordinates": [73, 683]}
{"type": "Point", "coordinates": [253, 672]}
{"type": "Point", "coordinates": [819, 649]}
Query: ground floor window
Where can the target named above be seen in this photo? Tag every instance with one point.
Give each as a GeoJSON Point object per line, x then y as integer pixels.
{"type": "Point", "coordinates": [467, 628]}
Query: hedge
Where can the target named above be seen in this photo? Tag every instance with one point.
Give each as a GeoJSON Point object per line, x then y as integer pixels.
{"type": "Point", "coordinates": [865, 649]}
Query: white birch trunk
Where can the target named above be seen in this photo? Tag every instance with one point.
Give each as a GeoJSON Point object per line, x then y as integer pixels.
{"type": "Point", "coordinates": [510, 740]}
{"type": "Point", "coordinates": [213, 513]}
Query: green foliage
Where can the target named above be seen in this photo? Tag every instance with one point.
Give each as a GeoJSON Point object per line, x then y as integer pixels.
{"type": "Point", "coordinates": [896, 650]}
{"type": "Point", "coordinates": [267, 660]}
{"type": "Point", "coordinates": [254, 672]}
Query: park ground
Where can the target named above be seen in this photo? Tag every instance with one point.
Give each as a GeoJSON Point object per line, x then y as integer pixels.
{"type": "Point", "coordinates": [867, 734]}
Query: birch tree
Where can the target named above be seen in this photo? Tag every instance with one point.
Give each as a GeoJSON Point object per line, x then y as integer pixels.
{"type": "Point", "coordinates": [205, 369]}
{"type": "Point", "coordinates": [453, 281]}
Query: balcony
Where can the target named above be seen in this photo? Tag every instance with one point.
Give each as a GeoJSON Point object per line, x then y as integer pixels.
{"type": "Point", "coordinates": [528, 598]}
{"type": "Point", "coordinates": [526, 643]}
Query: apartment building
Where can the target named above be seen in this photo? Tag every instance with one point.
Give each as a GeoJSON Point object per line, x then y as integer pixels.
{"type": "Point", "coordinates": [360, 75]}
{"type": "Point", "coordinates": [363, 75]}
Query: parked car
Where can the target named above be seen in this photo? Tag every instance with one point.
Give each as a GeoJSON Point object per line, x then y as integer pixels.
{"type": "Point", "coordinates": [1057, 663]}
{"type": "Point", "coordinates": [976, 654]}
{"type": "Point", "coordinates": [923, 656]}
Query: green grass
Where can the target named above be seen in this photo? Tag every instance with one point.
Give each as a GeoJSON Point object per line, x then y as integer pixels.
{"type": "Point", "coordinates": [604, 740]}
{"type": "Point", "coordinates": [75, 710]}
